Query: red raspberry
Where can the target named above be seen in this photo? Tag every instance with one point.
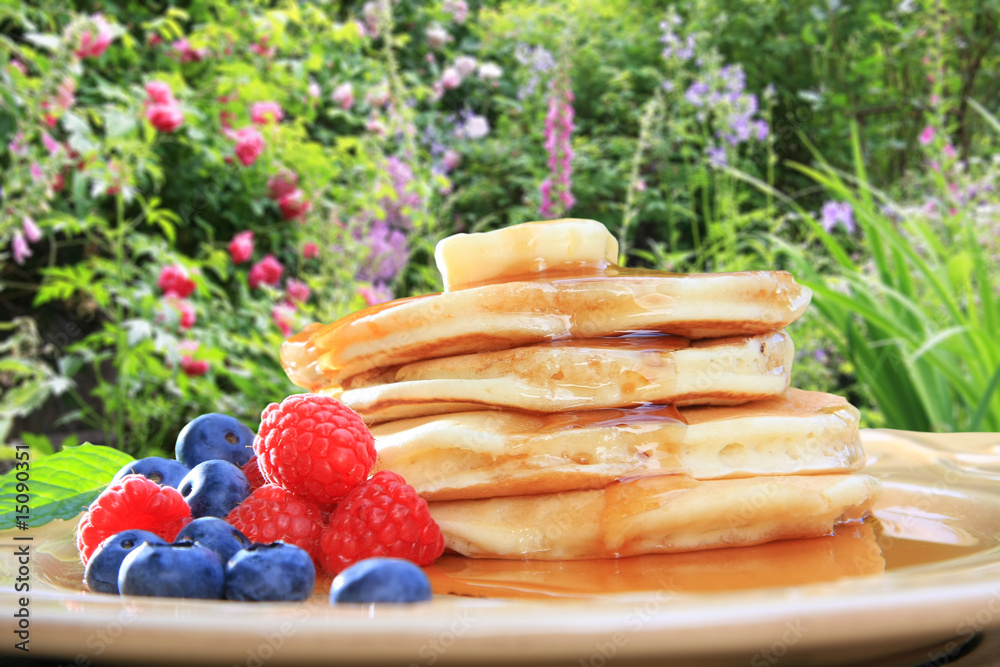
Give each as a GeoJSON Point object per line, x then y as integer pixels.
{"type": "Point", "coordinates": [382, 517]}
{"type": "Point", "coordinates": [272, 513]}
{"type": "Point", "coordinates": [254, 476]}
{"type": "Point", "coordinates": [134, 502]}
{"type": "Point", "coordinates": [314, 446]}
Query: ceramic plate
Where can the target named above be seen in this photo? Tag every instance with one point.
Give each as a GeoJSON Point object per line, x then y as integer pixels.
{"type": "Point", "coordinates": [921, 579]}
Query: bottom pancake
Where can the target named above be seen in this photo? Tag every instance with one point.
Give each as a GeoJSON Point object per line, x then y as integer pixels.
{"type": "Point", "coordinates": [662, 514]}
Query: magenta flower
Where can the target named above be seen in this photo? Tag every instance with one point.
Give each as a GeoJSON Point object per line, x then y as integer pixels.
{"type": "Point", "coordinates": [159, 92]}
{"type": "Point", "coordinates": [174, 281]}
{"type": "Point", "coordinates": [265, 113]}
{"type": "Point", "coordinates": [294, 205]}
{"type": "Point", "coordinates": [241, 247]}
{"type": "Point", "coordinates": [186, 53]}
{"type": "Point", "coordinates": [283, 183]}
{"type": "Point", "coordinates": [297, 290]}
{"type": "Point", "coordinates": [927, 136]}
{"type": "Point", "coordinates": [51, 145]}
{"type": "Point", "coordinates": [310, 250]}
{"type": "Point", "coordinates": [375, 294]}
{"type": "Point", "coordinates": [249, 145]}
{"type": "Point", "coordinates": [193, 367]}
{"type": "Point", "coordinates": [165, 117]}
{"type": "Point", "coordinates": [267, 271]}
{"type": "Point", "coordinates": [96, 39]}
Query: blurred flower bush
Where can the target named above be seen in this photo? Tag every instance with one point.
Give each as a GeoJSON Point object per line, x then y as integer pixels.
{"type": "Point", "coordinates": [184, 186]}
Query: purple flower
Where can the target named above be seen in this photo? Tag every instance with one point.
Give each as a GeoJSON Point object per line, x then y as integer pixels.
{"type": "Point", "coordinates": [762, 129]}
{"type": "Point", "coordinates": [20, 248]}
{"type": "Point", "coordinates": [696, 92]}
{"type": "Point", "coordinates": [717, 156]}
{"type": "Point", "coordinates": [834, 213]}
{"type": "Point", "coordinates": [387, 253]}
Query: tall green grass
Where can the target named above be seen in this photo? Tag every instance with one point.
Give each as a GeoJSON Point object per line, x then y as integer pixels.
{"type": "Point", "coordinates": [917, 311]}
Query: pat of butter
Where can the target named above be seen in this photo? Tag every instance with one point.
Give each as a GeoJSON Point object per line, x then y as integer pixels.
{"type": "Point", "coordinates": [469, 259]}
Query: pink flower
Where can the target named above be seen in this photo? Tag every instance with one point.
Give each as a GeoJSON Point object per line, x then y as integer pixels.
{"type": "Point", "coordinates": [458, 9]}
{"type": "Point", "coordinates": [283, 315]}
{"type": "Point", "coordinates": [66, 94]}
{"type": "Point", "coordinates": [165, 117]}
{"type": "Point", "coordinates": [19, 66]}
{"type": "Point", "coordinates": [193, 368]}
{"type": "Point", "coordinates": [260, 48]}
{"type": "Point", "coordinates": [265, 272]}
{"type": "Point", "coordinates": [927, 136]}
{"type": "Point", "coordinates": [451, 79]}
{"type": "Point", "coordinates": [310, 250]}
{"type": "Point", "coordinates": [437, 36]}
{"type": "Point", "coordinates": [241, 247]}
{"type": "Point", "coordinates": [378, 96]}
{"type": "Point", "coordinates": [184, 51]}
{"type": "Point", "coordinates": [297, 290]}
{"type": "Point", "coordinates": [376, 126]}
{"type": "Point", "coordinates": [640, 185]}
{"type": "Point", "coordinates": [249, 145]}
{"type": "Point", "coordinates": [20, 248]}
{"type": "Point", "coordinates": [153, 39]}
{"type": "Point", "coordinates": [94, 45]}
{"type": "Point", "coordinates": [451, 159]}
{"type": "Point", "coordinates": [476, 127]}
{"type": "Point", "coordinates": [343, 95]}
{"type": "Point", "coordinates": [465, 65]}
{"type": "Point", "coordinates": [174, 281]}
{"type": "Point", "coordinates": [31, 230]}
{"type": "Point", "coordinates": [51, 145]}
{"type": "Point", "coordinates": [284, 182]}
{"type": "Point", "coordinates": [265, 113]}
{"type": "Point", "coordinates": [374, 295]}
{"type": "Point", "coordinates": [293, 205]}
{"type": "Point", "coordinates": [949, 151]}
{"type": "Point", "coordinates": [36, 171]}
{"type": "Point", "coordinates": [159, 92]}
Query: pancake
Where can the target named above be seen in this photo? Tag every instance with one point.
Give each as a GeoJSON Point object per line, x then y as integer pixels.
{"type": "Point", "coordinates": [580, 374]}
{"type": "Point", "coordinates": [580, 303]}
{"type": "Point", "coordinates": [852, 551]}
{"type": "Point", "coordinates": [662, 514]}
{"type": "Point", "coordinates": [483, 454]}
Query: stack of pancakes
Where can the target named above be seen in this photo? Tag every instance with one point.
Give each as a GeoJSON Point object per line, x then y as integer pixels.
{"type": "Point", "coordinates": [572, 409]}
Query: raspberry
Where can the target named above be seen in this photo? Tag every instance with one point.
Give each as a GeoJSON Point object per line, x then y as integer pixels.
{"type": "Point", "coordinates": [253, 473]}
{"type": "Point", "coordinates": [314, 446]}
{"type": "Point", "coordinates": [382, 517]}
{"type": "Point", "coordinates": [272, 513]}
{"type": "Point", "coordinates": [133, 502]}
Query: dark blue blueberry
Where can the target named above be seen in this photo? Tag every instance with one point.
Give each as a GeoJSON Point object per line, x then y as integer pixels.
{"type": "Point", "coordinates": [102, 568]}
{"type": "Point", "coordinates": [165, 472]}
{"type": "Point", "coordinates": [215, 436]}
{"type": "Point", "coordinates": [276, 572]}
{"type": "Point", "coordinates": [213, 488]}
{"type": "Point", "coordinates": [381, 580]}
{"type": "Point", "coordinates": [216, 534]}
{"type": "Point", "coordinates": [183, 570]}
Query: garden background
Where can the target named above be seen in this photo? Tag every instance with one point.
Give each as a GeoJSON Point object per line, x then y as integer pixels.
{"type": "Point", "coordinates": [186, 183]}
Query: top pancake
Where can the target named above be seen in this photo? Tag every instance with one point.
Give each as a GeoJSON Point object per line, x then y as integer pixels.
{"type": "Point", "coordinates": [579, 304]}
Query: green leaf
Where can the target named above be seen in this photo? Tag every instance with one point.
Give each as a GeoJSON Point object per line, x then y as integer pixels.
{"type": "Point", "coordinates": [59, 486]}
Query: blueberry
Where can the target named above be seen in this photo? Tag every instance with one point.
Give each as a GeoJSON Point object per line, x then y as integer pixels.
{"type": "Point", "coordinates": [381, 580]}
{"type": "Point", "coordinates": [213, 488]}
{"type": "Point", "coordinates": [216, 534]}
{"type": "Point", "coordinates": [106, 561]}
{"type": "Point", "coordinates": [165, 472]}
{"type": "Point", "coordinates": [214, 436]}
{"type": "Point", "coordinates": [180, 570]}
{"type": "Point", "coordinates": [276, 572]}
